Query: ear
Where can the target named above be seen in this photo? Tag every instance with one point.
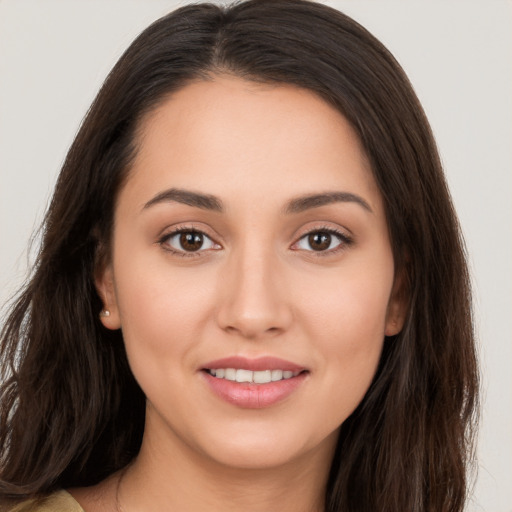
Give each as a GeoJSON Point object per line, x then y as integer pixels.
{"type": "Point", "coordinates": [104, 280]}
{"type": "Point", "coordinates": [397, 306]}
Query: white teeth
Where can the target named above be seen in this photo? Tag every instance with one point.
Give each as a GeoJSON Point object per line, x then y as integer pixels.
{"type": "Point", "coordinates": [230, 374]}
{"type": "Point", "coordinates": [262, 377]}
{"type": "Point", "coordinates": [257, 377]}
{"type": "Point", "coordinates": [277, 375]}
{"type": "Point", "coordinates": [244, 376]}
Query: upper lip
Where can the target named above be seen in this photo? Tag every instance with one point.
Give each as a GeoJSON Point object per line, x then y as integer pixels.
{"type": "Point", "coordinates": [256, 364]}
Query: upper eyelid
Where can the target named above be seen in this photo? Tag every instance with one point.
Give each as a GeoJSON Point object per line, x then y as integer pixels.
{"type": "Point", "coordinates": [335, 230]}
{"type": "Point", "coordinates": [183, 228]}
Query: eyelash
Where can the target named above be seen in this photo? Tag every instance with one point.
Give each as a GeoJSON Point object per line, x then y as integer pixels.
{"type": "Point", "coordinates": [163, 241]}
{"type": "Point", "coordinates": [344, 241]}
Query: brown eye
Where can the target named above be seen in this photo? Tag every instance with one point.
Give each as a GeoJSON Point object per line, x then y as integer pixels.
{"type": "Point", "coordinates": [188, 241]}
{"type": "Point", "coordinates": [191, 241]}
{"type": "Point", "coordinates": [319, 241]}
{"type": "Point", "coordinates": [323, 241]}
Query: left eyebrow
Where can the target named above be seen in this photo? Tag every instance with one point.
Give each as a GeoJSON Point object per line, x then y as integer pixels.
{"type": "Point", "coordinates": [195, 199]}
{"type": "Point", "coordinates": [303, 203]}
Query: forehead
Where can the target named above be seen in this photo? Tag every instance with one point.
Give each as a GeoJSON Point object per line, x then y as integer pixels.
{"type": "Point", "coordinates": [230, 135]}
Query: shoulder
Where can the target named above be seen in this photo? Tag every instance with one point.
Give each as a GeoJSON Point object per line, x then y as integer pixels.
{"type": "Point", "coordinates": [60, 501]}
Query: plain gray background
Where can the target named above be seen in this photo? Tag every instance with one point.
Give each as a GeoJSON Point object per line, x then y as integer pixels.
{"type": "Point", "coordinates": [54, 54]}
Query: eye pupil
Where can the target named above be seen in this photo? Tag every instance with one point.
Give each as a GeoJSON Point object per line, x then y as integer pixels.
{"type": "Point", "coordinates": [319, 241]}
{"type": "Point", "coordinates": [191, 241]}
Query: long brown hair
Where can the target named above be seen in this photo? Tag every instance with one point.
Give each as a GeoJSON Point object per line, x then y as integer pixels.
{"type": "Point", "coordinates": [71, 411]}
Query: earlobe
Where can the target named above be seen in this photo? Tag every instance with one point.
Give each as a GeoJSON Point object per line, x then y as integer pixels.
{"type": "Point", "coordinates": [397, 306]}
{"type": "Point", "coordinates": [109, 315]}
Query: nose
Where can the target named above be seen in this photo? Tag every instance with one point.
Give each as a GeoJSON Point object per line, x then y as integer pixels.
{"type": "Point", "coordinates": [254, 302]}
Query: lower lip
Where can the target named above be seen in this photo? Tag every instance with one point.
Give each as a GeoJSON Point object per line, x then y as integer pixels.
{"type": "Point", "coordinates": [254, 396]}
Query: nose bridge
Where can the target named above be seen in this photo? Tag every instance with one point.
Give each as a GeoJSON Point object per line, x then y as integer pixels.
{"type": "Point", "coordinates": [253, 300]}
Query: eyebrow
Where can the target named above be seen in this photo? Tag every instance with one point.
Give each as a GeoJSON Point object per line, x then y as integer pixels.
{"type": "Point", "coordinates": [301, 204]}
{"type": "Point", "coordinates": [296, 205]}
{"type": "Point", "coordinates": [195, 199]}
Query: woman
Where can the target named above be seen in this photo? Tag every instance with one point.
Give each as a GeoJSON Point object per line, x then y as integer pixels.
{"type": "Point", "coordinates": [252, 289]}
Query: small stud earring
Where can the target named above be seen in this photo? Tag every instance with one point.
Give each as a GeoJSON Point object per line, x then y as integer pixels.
{"type": "Point", "coordinates": [105, 313]}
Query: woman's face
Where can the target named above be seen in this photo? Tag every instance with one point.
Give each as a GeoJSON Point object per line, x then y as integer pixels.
{"type": "Point", "coordinates": [250, 243]}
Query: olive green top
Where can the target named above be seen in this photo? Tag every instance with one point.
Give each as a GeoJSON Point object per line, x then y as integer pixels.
{"type": "Point", "coordinates": [60, 501]}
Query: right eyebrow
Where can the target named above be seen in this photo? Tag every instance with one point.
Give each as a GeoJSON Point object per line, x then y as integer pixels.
{"type": "Point", "coordinates": [195, 199]}
{"type": "Point", "coordinates": [303, 203]}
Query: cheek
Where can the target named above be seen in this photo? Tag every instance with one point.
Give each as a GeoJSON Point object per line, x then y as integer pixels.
{"type": "Point", "coordinates": [349, 308]}
{"type": "Point", "coordinates": [346, 321]}
{"type": "Point", "coordinates": [352, 337]}
{"type": "Point", "coordinates": [162, 310]}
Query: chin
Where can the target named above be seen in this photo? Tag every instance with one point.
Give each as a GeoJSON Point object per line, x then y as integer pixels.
{"type": "Point", "coordinates": [256, 458]}
{"type": "Point", "coordinates": [272, 451]}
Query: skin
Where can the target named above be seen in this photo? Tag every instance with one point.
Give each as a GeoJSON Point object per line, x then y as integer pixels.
{"type": "Point", "coordinates": [255, 288]}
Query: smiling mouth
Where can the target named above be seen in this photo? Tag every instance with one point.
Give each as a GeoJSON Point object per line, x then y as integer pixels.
{"type": "Point", "coordinates": [254, 383]}
{"type": "Point", "coordinates": [253, 377]}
